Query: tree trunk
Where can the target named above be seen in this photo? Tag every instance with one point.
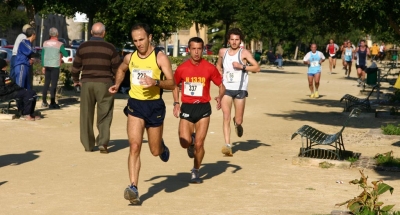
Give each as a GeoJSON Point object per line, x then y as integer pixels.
{"type": "Point", "coordinates": [227, 24]}
{"type": "Point", "coordinates": [196, 24]}
{"type": "Point", "coordinates": [89, 25]}
{"type": "Point", "coordinates": [297, 50]}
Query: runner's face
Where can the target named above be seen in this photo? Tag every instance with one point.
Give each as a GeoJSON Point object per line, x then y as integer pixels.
{"type": "Point", "coordinates": [349, 45]}
{"type": "Point", "coordinates": [362, 44]}
{"type": "Point", "coordinates": [330, 41]}
{"type": "Point", "coordinates": [195, 51]}
{"type": "Point", "coordinates": [313, 48]}
{"type": "Point", "coordinates": [141, 40]}
{"type": "Point", "coordinates": [234, 41]}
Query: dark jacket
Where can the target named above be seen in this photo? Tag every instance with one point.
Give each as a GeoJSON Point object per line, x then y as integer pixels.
{"type": "Point", "coordinates": [8, 88]}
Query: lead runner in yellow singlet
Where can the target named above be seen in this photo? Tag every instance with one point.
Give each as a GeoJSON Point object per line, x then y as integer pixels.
{"type": "Point", "coordinates": [150, 73]}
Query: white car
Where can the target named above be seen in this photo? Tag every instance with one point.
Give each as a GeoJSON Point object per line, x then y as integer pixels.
{"type": "Point", "coordinates": [71, 56]}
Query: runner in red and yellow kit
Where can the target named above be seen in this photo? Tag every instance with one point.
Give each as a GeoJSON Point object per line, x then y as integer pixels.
{"type": "Point", "coordinates": [195, 76]}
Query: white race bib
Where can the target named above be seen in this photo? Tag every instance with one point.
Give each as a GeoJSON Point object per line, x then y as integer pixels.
{"type": "Point", "coordinates": [193, 89]}
{"type": "Point", "coordinates": [138, 74]}
{"type": "Point", "coordinates": [233, 76]}
{"type": "Point", "coordinates": [314, 63]}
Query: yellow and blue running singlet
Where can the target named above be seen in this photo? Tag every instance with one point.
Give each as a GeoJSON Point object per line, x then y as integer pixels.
{"type": "Point", "coordinates": [139, 68]}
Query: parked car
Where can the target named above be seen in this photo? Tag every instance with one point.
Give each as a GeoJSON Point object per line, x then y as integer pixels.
{"type": "Point", "coordinates": [182, 51]}
{"type": "Point", "coordinates": [3, 42]}
{"type": "Point", "coordinates": [76, 43]}
{"type": "Point", "coordinates": [6, 54]}
{"type": "Point", "coordinates": [66, 45]}
{"type": "Point", "coordinates": [207, 49]}
{"type": "Point", "coordinates": [128, 48]}
{"type": "Point", "coordinates": [71, 56]}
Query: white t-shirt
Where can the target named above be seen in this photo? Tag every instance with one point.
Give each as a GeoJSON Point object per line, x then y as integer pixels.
{"type": "Point", "coordinates": [20, 37]}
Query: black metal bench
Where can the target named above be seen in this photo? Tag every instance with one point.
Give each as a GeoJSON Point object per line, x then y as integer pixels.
{"type": "Point", "coordinates": [7, 109]}
{"type": "Point", "coordinates": [315, 137]}
{"type": "Point", "coordinates": [352, 101]}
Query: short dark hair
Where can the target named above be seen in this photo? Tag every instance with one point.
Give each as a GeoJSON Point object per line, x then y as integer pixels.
{"type": "Point", "coordinates": [196, 40]}
{"type": "Point", "coordinates": [235, 31]}
{"type": "Point", "coordinates": [143, 26]}
{"type": "Point", "coordinates": [29, 32]}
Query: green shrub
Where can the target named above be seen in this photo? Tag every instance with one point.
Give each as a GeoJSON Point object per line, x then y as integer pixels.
{"type": "Point", "coordinates": [391, 129]}
{"type": "Point", "coordinates": [368, 201]}
{"type": "Point", "coordinates": [387, 159]}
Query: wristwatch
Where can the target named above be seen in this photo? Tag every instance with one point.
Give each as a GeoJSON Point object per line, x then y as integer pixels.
{"type": "Point", "coordinates": [157, 82]}
{"type": "Point", "coordinates": [244, 68]}
{"type": "Point", "coordinates": [176, 103]}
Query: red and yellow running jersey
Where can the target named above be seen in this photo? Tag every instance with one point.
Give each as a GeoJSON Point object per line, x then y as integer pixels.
{"type": "Point", "coordinates": [195, 81]}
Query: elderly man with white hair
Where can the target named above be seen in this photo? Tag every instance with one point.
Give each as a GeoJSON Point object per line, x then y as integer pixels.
{"type": "Point", "coordinates": [51, 62]}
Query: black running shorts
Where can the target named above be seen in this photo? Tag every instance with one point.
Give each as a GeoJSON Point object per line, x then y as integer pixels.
{"type": "Point", "coordinates": [194, 112]}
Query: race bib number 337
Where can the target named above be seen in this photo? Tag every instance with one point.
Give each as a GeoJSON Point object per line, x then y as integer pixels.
{"type": "Point", "coordinates": [193, 89]}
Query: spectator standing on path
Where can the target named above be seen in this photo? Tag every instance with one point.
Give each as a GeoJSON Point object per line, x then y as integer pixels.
{"type": "Point", "coordinates": [361, 56]}
{"type": "Point", "coordinates": [20, 37]}
{"type": "Point", "coordinates": [23, 60]}
{"type": "Point", "coordinates": [374, 51]}
{"type": "Point", "coordinates": [51, 61]}
{"type": "Point", "coordinates": [342, 47]}
{"type": "Point", "coordinates": [10, 90]}
{"type": "Point", "coordinates": [314, 60]}
{"type": "Point", "coordinates": [331, 49]}
{"type": "Point", "coordinates": [347, 56]}
{"type": "Point", "coordinates": [195, 76]}
{"type": "Point", "coordinates": [98, 62]}
{"type": "Point", "coordinates": [232, 64]}
{"type": "Point", "coordinates": [151, 72]}
{"type": "Point", "coordinates": [279, 54]}
{"type": "Point", "coordinates": [382, 50]}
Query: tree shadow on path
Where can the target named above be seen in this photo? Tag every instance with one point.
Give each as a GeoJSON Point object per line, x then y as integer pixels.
{"type": "Point", "coordinates": [17, 159]}
{"type": "Point", "coordinates": [172, 183]}
{"type": "Point", "coordinates": [247, 146]}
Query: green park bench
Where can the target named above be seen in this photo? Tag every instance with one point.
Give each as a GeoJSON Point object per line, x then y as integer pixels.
{"type": "Point", "coordinates": [315, 138]}
{"type": "Point", "coordinates": [352, 101]}
{"type": "Point", "coordinates": [6, 109]}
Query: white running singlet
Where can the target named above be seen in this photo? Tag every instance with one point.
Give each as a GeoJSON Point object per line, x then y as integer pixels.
{"type": "Point", "coordinates": [234, 79]}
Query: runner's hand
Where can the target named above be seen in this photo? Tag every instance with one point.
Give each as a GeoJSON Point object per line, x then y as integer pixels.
{"type": "Point", "coordinates": [147, 81]}
{"type": "Point", "coordinates": [177, 110]}
{"type": "Point", "coordinates": [237, 65]}
{"type": "Point", "coordinates": [218, 99]}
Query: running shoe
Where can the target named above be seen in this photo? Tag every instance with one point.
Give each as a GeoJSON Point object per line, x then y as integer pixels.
{"type": "Point", "coordinates": [132, 194]}
{"type": "Point", "coordinates": [54, 106]}
{"type": "Point", "coordinates": [312, 95]}
{"type": "Point", "coordinates": [165, 155]}
{"type": "Point", "coordinates": [316, 94]}
{"type": "Point", "coordinates": [238, 128]}
{"type": "Point", "coordinates": [195, 177]}
{"type": "Point", "coordinates": [190, 149]}
{"type": "Point", "coordinates": [227, 150]}
{"type": "Point", "coordinates": [45, 105]}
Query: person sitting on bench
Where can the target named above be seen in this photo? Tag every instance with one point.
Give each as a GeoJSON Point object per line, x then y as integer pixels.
{"type": "Point", "coordinates": [10, 90]}
{"type": "Point", "coordinates": [273, 59]}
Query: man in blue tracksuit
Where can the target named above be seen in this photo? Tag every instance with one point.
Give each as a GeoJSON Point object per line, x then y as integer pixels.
{"type": "Point", "coordinates": [23, 60]}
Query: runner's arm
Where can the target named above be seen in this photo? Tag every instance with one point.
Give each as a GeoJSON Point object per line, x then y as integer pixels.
{"type": "Point", "coordinates": [220, 95]}
{"type": "Point", "coordinates": [119, 77]}
{"type": "Point", "coordinates": [175, 95]}
{"type": "Point", "coordinates": [165, 66]}
{"type": "Point", "coordinates": [220, 58]}
{"type": "Point", "coordinates": [253, 67]}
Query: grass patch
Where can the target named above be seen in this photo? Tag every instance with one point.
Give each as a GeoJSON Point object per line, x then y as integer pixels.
{"type": "Point", "coordinates": [352, 159]}
{"type": "Point", "coordinates": [387, 160]}
{"type": "Point", "coordinates": [310, 188]}
{"type": "Point", "coordinates": [326, 165]}
{"type": "Point", "coordinates": [391, 129]}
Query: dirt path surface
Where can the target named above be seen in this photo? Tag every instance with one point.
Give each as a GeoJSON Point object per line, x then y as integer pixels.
{"type": "Point", "coordinates": [45, 170]}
